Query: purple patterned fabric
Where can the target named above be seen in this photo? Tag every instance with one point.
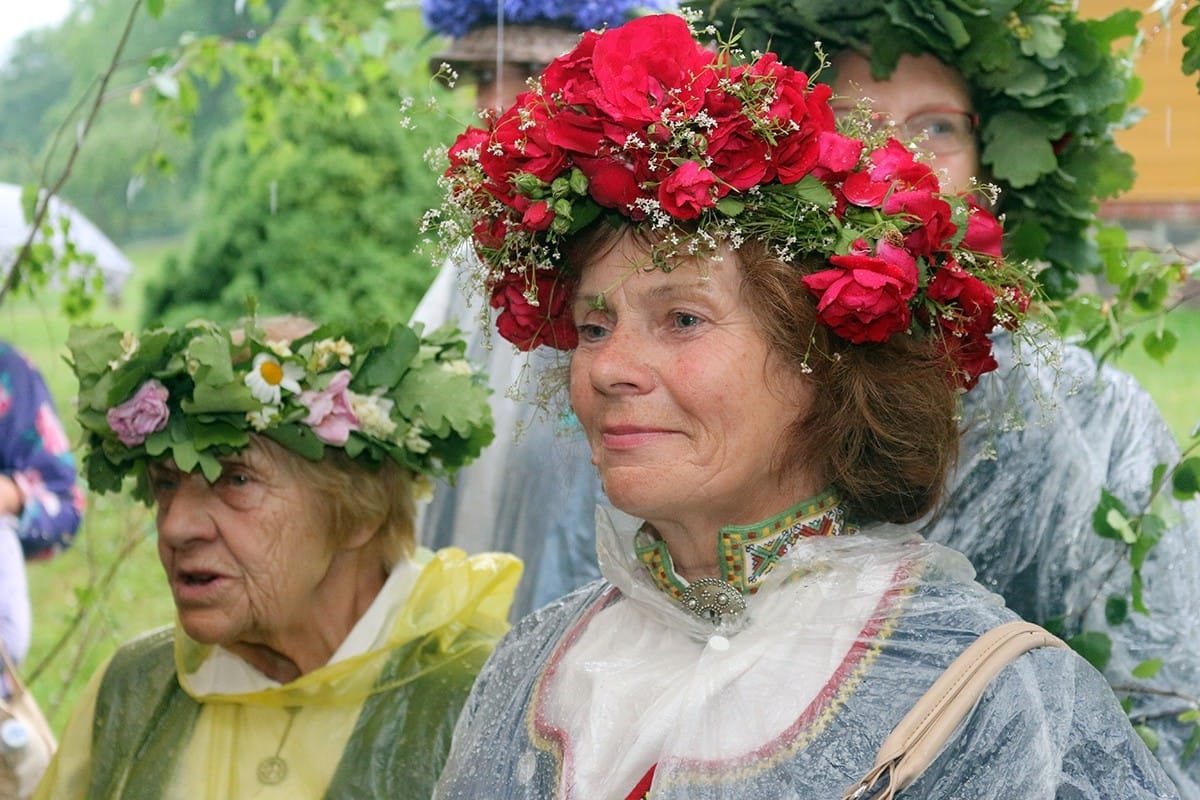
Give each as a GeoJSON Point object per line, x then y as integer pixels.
{"type": "Point", "coordinates": [35, 453]}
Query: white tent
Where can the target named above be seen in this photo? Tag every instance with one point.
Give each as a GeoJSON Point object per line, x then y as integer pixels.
{"type": "Point", "coordinates": [84, 234]}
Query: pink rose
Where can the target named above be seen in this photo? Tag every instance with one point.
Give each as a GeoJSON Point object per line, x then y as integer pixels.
{"type": "Point", "coordinates": [329, 413]}
{"type": "Point", "coordinates": [141, 415]}
{"type": "Point", "coordinates": [529, 326]}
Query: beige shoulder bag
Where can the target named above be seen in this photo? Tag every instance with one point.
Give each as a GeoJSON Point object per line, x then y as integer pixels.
{"type": "Point", "coordinates": [920, 736]}
{"type": "Point", "coordinates": [25, 758]}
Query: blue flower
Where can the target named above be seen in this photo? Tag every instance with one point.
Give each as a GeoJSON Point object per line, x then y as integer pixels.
{"type": "Point", "coordinates": [454, 18]}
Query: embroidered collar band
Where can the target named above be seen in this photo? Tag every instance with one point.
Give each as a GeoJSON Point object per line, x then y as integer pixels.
{"type": "Point", "coordinates": [746, 554]}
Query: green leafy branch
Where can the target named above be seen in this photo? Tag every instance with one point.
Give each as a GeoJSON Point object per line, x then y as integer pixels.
{"type": "Point", "coordinates": [1146, 285]}
{"type": "Point", "coordinates": [37, 260]}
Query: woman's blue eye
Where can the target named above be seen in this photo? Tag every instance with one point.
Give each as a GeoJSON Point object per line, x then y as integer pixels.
{"type": "Point", "coordinates": [685, 320]}
{"type": "Point", "coordinates": [589, 331]}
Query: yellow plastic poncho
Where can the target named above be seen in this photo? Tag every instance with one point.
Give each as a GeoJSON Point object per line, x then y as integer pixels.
{"type": "Point", "coordinates": [170, 718]}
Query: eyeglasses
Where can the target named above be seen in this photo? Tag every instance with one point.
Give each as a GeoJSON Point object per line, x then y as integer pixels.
{"type": "Point", "coordinates": [941, 131]}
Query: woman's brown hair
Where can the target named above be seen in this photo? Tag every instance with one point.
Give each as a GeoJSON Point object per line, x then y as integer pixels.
{"type": "Point", "coordinates": [883, 419]}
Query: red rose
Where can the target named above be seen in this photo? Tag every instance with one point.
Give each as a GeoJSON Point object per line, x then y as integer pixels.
{"type": "Point", "coordinates": [970, 302]}
{"type": "Point", "coordinates": [837, 154]}
{"type": "Point", "coordinates": [861, 190]}
{"type": "Point", "coordinates": [932, 214]}
{"type": "Point", "coordinates": [466, 148]}
{"type": "Point", "coordinates": [489, 232]}
{"type": "Point", "coordinates": [571, 73]}
{"type": "Point", "coordinates": [687, 191]}
{"type": "Point", "coordinates": [527, 325]}
{"type": "Point", "coordinates": [984, 232]}
{"type": "Point", "coordinates": [739, 156]}
{"type": "Point", "coordinates": [867, 301]}
{"type": "Point", "coordinates": [538, 216]}
{"type": "Point", "coordinates": [519, 144]}
{"type": "Point", "coordinates": [636, 63]}
{"type": "Point", "coordinates": [611, 182]}
{"type": "Point", "coordinates": [895, 162]}
{"type": "Point", "coordinates": [971, 354]}
{"type": "Point", "coordinates": [576, 132]}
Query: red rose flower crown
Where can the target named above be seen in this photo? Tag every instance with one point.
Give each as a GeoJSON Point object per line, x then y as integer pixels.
{"type": "Point", "coordinates": [644, 123]}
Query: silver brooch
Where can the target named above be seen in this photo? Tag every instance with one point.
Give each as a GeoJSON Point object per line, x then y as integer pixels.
{"type": "Point", "coordinates": [713, 599]}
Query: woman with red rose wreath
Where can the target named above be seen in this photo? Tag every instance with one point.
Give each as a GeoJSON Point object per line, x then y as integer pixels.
{"type": "Point", "coordinates": [767, 354]}
{"type": "Point", "coordinates": [1051, 434]}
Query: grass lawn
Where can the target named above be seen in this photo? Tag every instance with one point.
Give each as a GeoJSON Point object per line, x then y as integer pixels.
{"type": "Point", "coordinates": [108, 586]}
{"type": "Point", "coordinates": [1175, 387]}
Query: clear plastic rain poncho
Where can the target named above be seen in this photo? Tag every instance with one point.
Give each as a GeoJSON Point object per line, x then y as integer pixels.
{"type": "Point", "coordinates": [618, 691]}
{"type": "Point", "coordinates": [171, 719]}
{"type": "Point", "coordinates": [1042, 441]}
{"type": "Point", "coordinates": [533, 491]}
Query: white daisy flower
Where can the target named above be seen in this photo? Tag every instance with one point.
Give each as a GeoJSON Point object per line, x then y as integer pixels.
{"type": "Point", "coordinates": [267, 377]}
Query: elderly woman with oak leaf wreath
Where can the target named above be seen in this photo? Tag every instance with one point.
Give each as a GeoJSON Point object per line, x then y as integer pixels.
{"type": "Point", "coordinates": [316, 653]}
{"type": "Point", "coordinates": [770, 321]}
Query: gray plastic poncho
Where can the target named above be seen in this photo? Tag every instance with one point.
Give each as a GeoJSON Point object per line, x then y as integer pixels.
{"type": "Point", "coordinates": [533, 491]}
{"type": "Point", "coordinates": [617, 685]}
{"type": "Point", "coordinates": [1042, 440]}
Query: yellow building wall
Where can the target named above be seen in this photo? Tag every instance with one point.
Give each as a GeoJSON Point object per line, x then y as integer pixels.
{"type": "Point", "coordinates": [1165, 144]}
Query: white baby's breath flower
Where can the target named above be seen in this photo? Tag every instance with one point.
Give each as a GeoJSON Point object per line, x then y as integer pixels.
{"type": "Point", "coordinates": [422, 489]}
{"type": "Point", "coordinates": [326, 350]}
{"type": "Point", "coordinates": [458, 367]}
{"type": "Point", "coordinates": [413, 441]}
{"type": "Point", "coordinates": [129, 347]}
{"type": "Point", "coordinates": [263, 418]}
{"type": "Point", "coordinates": [374, 414]}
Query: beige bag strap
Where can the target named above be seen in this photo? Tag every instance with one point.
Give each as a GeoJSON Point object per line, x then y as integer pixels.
{"type": "Point", "coordinates": [920, 736]}
{"type": "Point", "coordinates": [10, 669]}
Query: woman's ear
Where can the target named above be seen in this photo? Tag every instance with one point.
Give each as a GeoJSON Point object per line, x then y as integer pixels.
{"type": "Point", "coordinates": [366, 532]}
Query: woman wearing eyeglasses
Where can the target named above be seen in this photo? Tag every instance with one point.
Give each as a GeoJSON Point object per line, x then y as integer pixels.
{"type": "Point", "coordinates": [924, 102]}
